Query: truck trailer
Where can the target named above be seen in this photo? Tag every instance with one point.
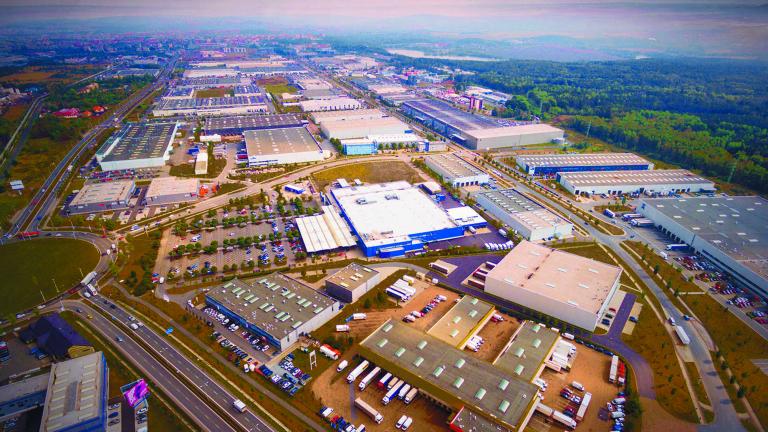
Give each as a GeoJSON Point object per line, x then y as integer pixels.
{"type": "Point", "coordinates": [357, 371]}
{"type": "Point", "coordinates": [372, 413]}
{"type": "Point", "coordinates": [368, 378]}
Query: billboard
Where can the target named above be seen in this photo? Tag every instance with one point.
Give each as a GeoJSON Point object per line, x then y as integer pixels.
{"type": "Point", "coordinates": [135, 392]}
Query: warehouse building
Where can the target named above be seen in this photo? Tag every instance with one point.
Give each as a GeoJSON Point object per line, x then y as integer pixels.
{"type": "Point", "coordinates": [101, 197]}
{"type": "Point", "coordinates": [355, 114]}
{"type": "Point", "coordinates": [180, 93]}
{"type": "Point", "coordinates": [325, 231]}
{"type": "Point", "coordinates": [730, 231]}
{"type": "Point", "coordinates": [172, 190]}
{"type": "Point", "coordinates": [210, 106]}
{"type": "Point", "coordinates": [335, 104]}
{"type": "Point", "coordinates": [275, 307]}
{"type": "Point", "coordinates": [649, 182]}
{"type": "Point", "coordinates": [390, 219]}
{"type": "Point", "coordinates": [571, 288]}
{"type": "Point", "coordinates": [371, 143]}
{"type": "Point", "coordinates": [456, 171]}
{"type": "Point", "coordinates": [281, 146]}
{"type": "Point", "coordinates": [351, 282]}
{"type": "Point", "coordinates": [551, 164]}
{"type": "Point", "coordinates": [450, 376]}
{"type": "Point", "coordinates": [246, 90]}
{"type": "Point", "coordinates": [235, 125]}
{"type": "Point", "coordinates": [474, 131]}
{"type": "Point", "coordinates": [528, 351]}
{"type": "Point", "coordinates": [210, 82]}
{"type": "Point", "coordinates": [210, 72]}
{"type": "Point", "coordinates": [137, 145]}
{"type": "Point", "coordinates": [523, 215]}
{"type": "Point", "coordinates": [465, 319]}
{"type": "Point", "coordinates": [344, 129]}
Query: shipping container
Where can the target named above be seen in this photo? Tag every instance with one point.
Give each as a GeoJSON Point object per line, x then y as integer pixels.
{"type": "Point", "coordinates": [369, 410]}
{"type": "Point", "coordinates": [368, 378]}
{"type": "Point", "coordinates": [383, 381]}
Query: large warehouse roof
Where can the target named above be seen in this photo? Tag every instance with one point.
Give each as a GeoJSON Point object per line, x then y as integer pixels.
{"type": "Point", "coordinates": [279, 141]}
{"type": "Point", "coordinates": [584, 159]}
{"type": "Point", "coordinates": [138, 141]}
{"type": "Point", "coordinates": [564, 277]}
{"type": "Point", "coordinates": [164, 186]}
{"type": "Point", "coordinates": [238, 124]}
{"type": "Point", "coordinates": [460, 321]}
{"type": "Point", "coordinates": [736, 225]}
{"type": "Point", "coordinates": [511, 200]}
{"type": "Point", "coordinates": [525, 129]}
{"type": "Point", "coordinates": [74, 392]}
{"type": "Point", "coordinates": [440, 369]}
{"type": "Point", "coordinates": [214, 102]}
{"type": "Point", "coordinates": [364, 127]}
{"type": "Point", "coordinates": [106, 192]}
{"type": "Point", "coordinates": [274, 303]}
{"type": "Point", "coordinates": [454, 165]}
{"type": "Point", "coordinates": [633, 177]}
{"type": "Point", "coordinates": [527, 350]}
{"type": "Point", "coordinates": [325, 231]}
{"type": "Point", "coordinates": [446, 113]}
{"type": "Point", "coordinates": [371, 113]}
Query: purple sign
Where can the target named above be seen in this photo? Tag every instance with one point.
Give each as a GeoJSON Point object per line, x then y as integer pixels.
{"type": "Point", "coordinates": [136, 392]}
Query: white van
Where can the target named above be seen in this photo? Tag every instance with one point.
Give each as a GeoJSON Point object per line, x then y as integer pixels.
{"type": "Point", "coordinates": [343, 365]}
{"type": "Point", "coordinates": [577, 385]}
{"type": "Point", "coordinates": [407, 423]}
{"type": "Point", "coordinates": [400, 422]}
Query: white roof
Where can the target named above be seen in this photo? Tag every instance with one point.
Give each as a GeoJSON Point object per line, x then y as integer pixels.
{"type": "Point", "coordinates": [326, 231]}
{"type": "Point", "coordinates": [464, 215]}
{"type": "Point", "coordinates": [513, 131]}
{"type": "Point", "coordinates": [163, 186]}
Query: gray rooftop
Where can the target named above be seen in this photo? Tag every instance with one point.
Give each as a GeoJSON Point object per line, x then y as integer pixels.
{"type": "Point", "coordinates": [74, 392]}
{"type": "Point", "coordinates": [139, 141]}
{"type": "Point", "coordinates": [279, 141]}
{"type": "Point", "coordinates": [245, 122]}
{"type": "Point", "coordinates": [736, 225]}
{"type": "Point", "coordinates": [633, 177]}
{"type": "Point", "coordinates": [353, 276]}
{"type": "Point", "coordinates": [461, 320]}
{"type": "Point", "coordinates": [581, 159]}
{"type": "Point", "coordinates": [450, 115]}
{"type": "Point", "coordinates": [527, 350]}
{"type": "Point", "coordinates": [511, 200]}
{"type": "Point", "coordinates": [448, 373]}
{"type": "Point", "coordinates": [453, 164]}
{"type": "Point", "coordinates": [213, 102]}
{"type": "Point", "coordinates": [275, 303]}
{"type": "Point", "coordinates": [101, 193]}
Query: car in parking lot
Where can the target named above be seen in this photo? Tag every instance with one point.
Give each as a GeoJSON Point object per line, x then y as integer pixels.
{"type": "Point", "coordinates": [606, 321]}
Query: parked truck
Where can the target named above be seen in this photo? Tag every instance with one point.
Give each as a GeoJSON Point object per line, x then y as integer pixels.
{"type": "Point", "coordinates": [372, 413]}
{"type": "Point", "coordinates": [614, 369]}
{"type": "Point", "coordinates": [357, 371]}
{"type": "Point", "coordinates": [239, 405]}
{"type": "Point", "coordinates": [368, 378]}
{"type": "Point", "coordinates": [342, 328]}
{"type": "Point", "coordinates": [411, 395]}
{"type": "Point", "coordinates": [343, 365]}
{"type": "Point", "coordinates": [682, 335]}
{"type": "Point", "coordinates": [329, 352]}
{"type": "Point", "coordinates": [403, 391]}
{"type": "Point", "coordinates": [383, 381]}
{"type": "Point", "coordinates": [392, 393]}
{"type": "Point", "coordinates": [677, 246]}
{"type": "Point", "coordinates": [621, 377]}
{"type": "Point", "coordinates": [393, 382]}
{"type": "Point", "coordinates": [359, 316]}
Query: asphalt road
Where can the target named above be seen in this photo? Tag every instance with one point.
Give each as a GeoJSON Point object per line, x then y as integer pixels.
{"type": "Point", "coordinates": [166, 380]}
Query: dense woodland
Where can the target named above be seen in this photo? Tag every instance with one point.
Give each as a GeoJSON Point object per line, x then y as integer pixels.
{"type": "Point", "coordinates": [709, 115]}
{"type": "Point", "coordinates": [109, 93]}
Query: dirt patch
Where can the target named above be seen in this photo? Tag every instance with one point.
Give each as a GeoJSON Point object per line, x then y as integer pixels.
{"type": "Point", "coordinates": [656, 418]}
{"type": "Point", "coordinates": [368, 172]}
{"type": "Point", "coordinates": [496, 336]}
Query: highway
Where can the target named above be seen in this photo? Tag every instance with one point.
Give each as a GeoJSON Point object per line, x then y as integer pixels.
{"type": "Point", "coordinates": [216, 394]}
{"type": "Point", "coordinates": [165, 379]}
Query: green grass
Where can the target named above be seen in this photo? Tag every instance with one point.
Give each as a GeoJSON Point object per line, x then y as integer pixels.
{"type": "Point", "coordinates": [213, 92]}
{"type": "Point", "coordinates": [215, 167]}
{"type": "Point", "coordinates": [31, 266]}
{"type": "Point", "coordinates": [368, 172]}
{"type": "Point", "coordinates": [698, 387]}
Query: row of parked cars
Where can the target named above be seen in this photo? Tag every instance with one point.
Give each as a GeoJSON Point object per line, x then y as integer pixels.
{"type": "Point", "coordinates": [291, 380]}
{"type": "Point", "coordinates": [411, 317]}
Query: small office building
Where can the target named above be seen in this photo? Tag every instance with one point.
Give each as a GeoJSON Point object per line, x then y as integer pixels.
{"type": "Point", "coordinates": [351, 282]}
{"type": "Point", "coordinates": [172, 190]}
{"type": "Point", "coordinates": [102, 197]}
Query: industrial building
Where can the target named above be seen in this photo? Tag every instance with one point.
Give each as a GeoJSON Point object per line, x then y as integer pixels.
{"type": "Point", "coordinates": [101, 197]}
{"type": "Point", "coordinates": [236, 125]}
{"type": "Point", "coordinates": [371, 143]}
{"type": "Point", "coordinates": [551, 164]}
{"type": "Point", "coordinates": [246, 90]}
{"type": "Point", "coordinates": [649, 182]}
{"type": "Point", "coordinates": [456, 171]}
{"type": "Point", "coordinates": [210, 72]}
{"type": "Point", "coordinates": [201, 163]}
{"type": "Point", "coordinates": [344, 129]}
{"type": "Point", "coordinates": [730, 231]}
{"type": "Point", "coordinates": [474, 131]}
{"type": "Point", "coordinates": [55, 337]}
{"type": "Point", "coordinates": [451, 376]}
{"type": "Point", "coordinates": [528, 351]}
{"type": "Point", "coordinates": [180, 93]}
{"type": "Point", "coordinates": [210, 106]}
{"type": "Point", "coordinates": [523, 215]}
{"type": "Point", "coordinates": [355, 114]}
{"type": "Point", "coordinates": [281, 146]}
{"type": "Point", "coordinates": [351, 282]}
{"type": "Point", "coordinates": [172, 190]}
{"type": "Point", "coordinates": [340, 103]}
{"type": "Point", "coordinates": [137, 145]}
{"type": "Point", "coordinates": [465, 319]}
{"type": "Point", "coordinates": [210, 82]}
{"type": "Point", "coordinates": [568, 287]}
{"type": "Point", "coordinates": [275, 307]}
{"type": "Point", "coordinates": [390, 219]}
{"type": "Point", "coordinates": [325, 231]}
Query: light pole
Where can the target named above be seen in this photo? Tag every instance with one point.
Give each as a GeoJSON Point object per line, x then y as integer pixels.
{"type": "Point", "coordinates": [55, 285]}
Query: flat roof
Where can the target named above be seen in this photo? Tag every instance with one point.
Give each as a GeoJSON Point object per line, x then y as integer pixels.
{"type": "Point", "coordinates": [324, 231]}
{"type": "Point", "coordinates": [524, 129]}
{"type": "Point", "coordinates": [521, 208]}
{"type": "Point", "coordinates": [385, 213]}
{"type": "Point", "coordinates": [370, 113]}
{"type": "Point", "coordinates": [460, 320]}
{"type": "Point", "coordinates": [451, 116]}
{"type": "Point", "coordinates": [279, 141]}
{"type": "Point", "coordinates": [256, 121]}
{"type": "Point", "coordinates": [139, 141]}
{"type": "Point", "coordinates": [581, 159]}
{"type": "Point", "coordinates": [454, 165]}
{"type": "Point", "coordinates": [162, 186]}
{"type": "Point", "coordinates": [634, 177]}
{"type": "Point", "coordinates": [323, 104]}
{"type": "Point", "coordinates": [27, 393]}
{"type": "Point", "coordinates": [352, 276]}
{"type": "Point", "coordinates": [187, 92]}
{"type": "Point", "coordinates": [74, 392]}
{"type": "Point", "coordinates": [106, 192]}
{"type": "Point", "coordinates": [736, 225]}
{"type": "Point", "coordinates": [563, 277]}
{"type": "Point", "coordinates": [449, 373]}
{"type": "Point", "coordinates": [371, 125]}
{"type": "Point", "coordinates": [468, 420]}
{"type": "Point", "coordinates": [214, 102]}
{"type": "Point", "coordinates": [206, 81]}
{"type": "Point", "coordinates": [274, 303]}
{"type": "Point", "coordinates": [245, 89]}
{"type": "Point", "coordinates": [527, 350]}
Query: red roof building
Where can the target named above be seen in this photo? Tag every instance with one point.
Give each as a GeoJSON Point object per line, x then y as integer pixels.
{"type": "Point", "coordinates": [67, 113]}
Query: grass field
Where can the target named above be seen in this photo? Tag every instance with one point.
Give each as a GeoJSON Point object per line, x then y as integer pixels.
{"type": "Point", "coordinates": [213, 92]}
{"type": "Point", "coordinates": [369, 172]}
{"type": "Point", "coordinates": [215, 167]}
{"type": "Point", "coordinates": [31, 266]}
{"type": "Point", "coordinates": [58, 73]}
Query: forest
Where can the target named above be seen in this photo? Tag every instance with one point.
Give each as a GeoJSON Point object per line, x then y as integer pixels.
{"type": "Point", "coordinates": [109, 93]}
{"type": "Point", "coordinates": [708, 115]}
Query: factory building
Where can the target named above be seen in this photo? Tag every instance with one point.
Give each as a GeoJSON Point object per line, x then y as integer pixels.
{"type": "Point", "coordinates": [172, 190]}
{"type": "Point", "coordinates": [571, 288]}
{"type": "Point", "coordinates": [390, 219]}
{"type": "Point", "coordinates": [474, 131]}
{"type": "Point", "coordinates": [523, 215]}
{"type": "Point", "coordinates": [529, 351]}
{"type": "Point", "coordinates": [335, 104]}
{"type": "Point", "coordinates": [210, 72]}
{"type": "Point", "coordinates": [180, 93]}
{"type": "Point", "coordinates": [210, 106]}
{"type": "Point", "coordinates": [372, 143]}
{"type": "Point", "coordinates": [211, 82]}
{"type": "Point", "coordinates": [102, 197]}
{"type": "Point", "coordinates": [730, 231]}
{"type": "Point", "coordinates": [281, 146]}
{"type": "Point", "coordinates": [355, 114]}
{"type": "Point", "coordinates": [246, 90]}
{"type": "Point", "coordinates": [275, 307]}
{"type": "Point", "coordinates": [235, 125]}
{"type": "Point", "coordinates": [351, 282]}
{"type": "Point", "coordinates": [325, 231]}
{"type": "Point", "coordinates": [551, 164]}
{"type": "Point", "coordinates": [456, 171]}
{"type": "Point", "coordinates": [649, 182]}
{"type": "Point", "coordinates": [345, 129]}
{"type": "Point", "coordinates": [451, 376]}
{"type": "Point", "coordinates": [136, 146]}
{"type": "Point", "coordinates": [465, 320]}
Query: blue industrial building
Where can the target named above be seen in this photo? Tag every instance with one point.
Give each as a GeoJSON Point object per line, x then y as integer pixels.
{"type": "Point", "coordinates": [445, 119]}
{"type": "Point", "coordinates": [236, 125]}
{"type": "Point", "coordinates": [359, 147]}
{"type": "Point", "coordinates": [551, 164]}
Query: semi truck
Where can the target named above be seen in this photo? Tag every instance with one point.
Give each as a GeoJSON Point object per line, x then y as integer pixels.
{"type": "Point", "coordinates": [90, 277]}
{"type": "Point", "coordinates": [368, 378]}
{"type": "Point", "coordinates": [614, 369]}
{"type": "Point", "coordinates": [392, 393]}
{"type": "Point", "coordinates": [357, 371]}
{"type": "Point", "coordinates": [411, 395]}
{"type": "Point", "coordinates": [609, 213]}
{"type": "Point", "coordinates": [641, 222]}
{"type": "Point", "coordinates": [677, 246]}
{"type": "Point", "coordinates": [630, 216]}
{"type": "Point", "coordinates": [383, 381]}
{"type": "Point", "coordinates": [329, 352]}
{"type": "Point", "coordinates": [583, 407]}
{"type": "Point", "coordinates": [359, 316]}
{"type": "Point", "coordinates": [372, 413]}
{"type": "Point", "coordinates": [621, 376]}
{"type": "Point", "coordinates": [393, 382]}
{"type": "Point", "coordinates": [403, 391]}
{"type": "Point", "coordinates": [682, 335]}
